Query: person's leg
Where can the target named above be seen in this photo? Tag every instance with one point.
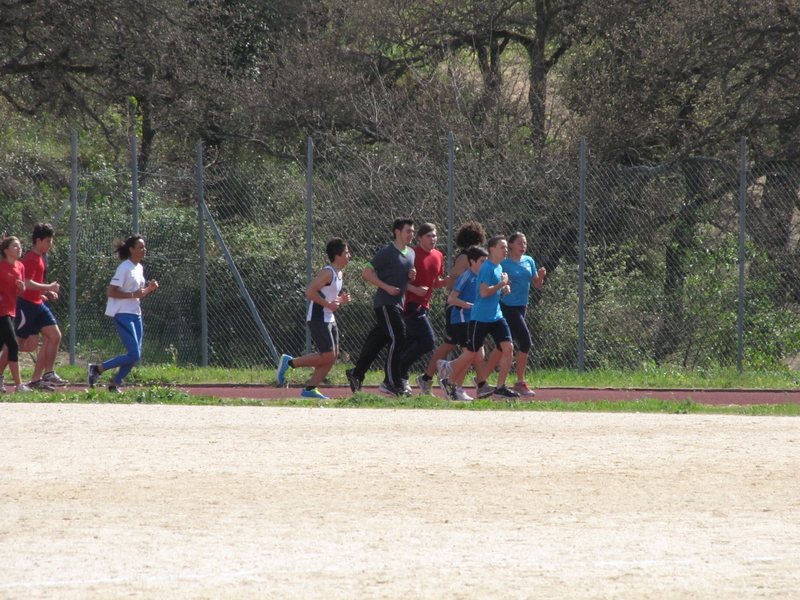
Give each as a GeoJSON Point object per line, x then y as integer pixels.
{"type": "Point", "coordinates": [326, 339]}
{"type": "Point", "coordinates": [376, 339]}
{"type": "Point", "coordinates": [45, 362]}
{"type": "Point", "coordinates": [420, 339]}
{"type": "Point", "coordinates": [129, 327]}
{"type": "Point", "coordinates": [504, 366]}
{"type": "Point", "coordinates": [8, 340]}
{"type": "Point", "coordinates": [397, 333]}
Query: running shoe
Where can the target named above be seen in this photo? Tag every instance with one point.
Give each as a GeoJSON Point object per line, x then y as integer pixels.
{"type": "Point", "coordinates": [313, 393]}
{"type": "Point", "coordinates": [462, 395]}
{"type": "Point", "coordinates": [22, 388]}
{"type": "Point", "coordinates": [406, 389]}
{"type": "Point", "coordinates": [387, 388]}
{"type": "Point", "coordinates": [114, 389]}
{"type": "Point", "coordinates": [93, 374]}
{"type": "Point", "coordinates": [522, 389]}
{"type": "Point", "coordinates": [483, 391]}
{"type": "Point", "coordinates": [504, 393]}
{"type": "Point", "coordinates": [40, 385]}
{"type": "Point", "coordinates": [424, 385]}
{"type": "Point", "coordinates": [52, 378]}
{"type": "Point", "coordinates": [354, 380]}
{"type": "Point", "coordinates": [444, 383]}
{"type": "Point", "coordinates": [450, 390]}
{"type": "Point", "coordinates": [443, 369]}
{"type": "Point", "coordinates": [283, 367]}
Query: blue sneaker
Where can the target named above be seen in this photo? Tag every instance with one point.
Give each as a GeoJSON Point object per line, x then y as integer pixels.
{"type": "Point", "coordinates": [315, 393]}
{"type": "Point", "coordinates": [283, 367]}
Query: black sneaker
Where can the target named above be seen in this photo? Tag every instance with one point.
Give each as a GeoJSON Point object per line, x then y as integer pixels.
{"type": "Point", "coordinates": [387, 388]}
{"type": "Point", "coordinates": [93, 374]}
{"type": "Point", "coordinates": [503, 393]}
{"type": "Point", "coordinates": [354, 381]}
{"type": "Point", "coordinates": [113, 389]}
{"type": "Point", "coordinates": [451, 390]}
{"type": "Point", "coordinates": [40, 385]}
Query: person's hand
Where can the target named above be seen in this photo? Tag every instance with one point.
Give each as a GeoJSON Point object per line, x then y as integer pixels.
{"type": "Point", "coordinates": [542, 272]}
{"type": "Point", "coordinates": [20, 285]}
{"type": "Point", "coordinates": [333, 305]}
{"type": "Point", "coordinates": [152, 286]}
{"type": "Point", "coordinates": [412, 274]}
{"type": "Point", "coordinates": [51, 296]}
{"type": "Point", "coordinates": [506, 289]}
{"type": "Point", "coordinates": [54, 287]}
{"type": "Point", "coordinates": [504, 278]}
{"type": "Point", "coordinates": [393, 291]}
{"type": "Point", "coordinates": [344, 298]}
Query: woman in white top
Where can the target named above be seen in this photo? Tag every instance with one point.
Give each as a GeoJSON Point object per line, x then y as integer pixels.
{"type": "Point", "coordinates": [127, 288]}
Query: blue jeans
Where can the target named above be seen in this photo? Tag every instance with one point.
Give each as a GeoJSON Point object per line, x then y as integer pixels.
{"type": "Point", "coordinates": [131, 331]}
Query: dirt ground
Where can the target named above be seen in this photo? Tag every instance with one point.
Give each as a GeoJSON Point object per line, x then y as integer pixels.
{"type": "Point", "coordinates": [179, 502]}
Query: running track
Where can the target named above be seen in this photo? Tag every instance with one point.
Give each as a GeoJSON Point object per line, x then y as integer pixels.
{"type": "Point", "coordinates": [715, 397]}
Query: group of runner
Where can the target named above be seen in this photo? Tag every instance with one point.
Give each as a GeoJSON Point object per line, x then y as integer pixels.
{"type": "Point", "coordinates": [25, 315]}
{"type": "Point", "coordinates": [488, 296]}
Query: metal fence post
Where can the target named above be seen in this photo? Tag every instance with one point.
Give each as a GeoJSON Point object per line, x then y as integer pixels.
{"type": "Point", "coordinates": [134, 186]}
{"type": "Point", "coordinates": [73, 254]}
{"type": "Point", "coordinates": [450, 200]}
{"type": "Point", "coordinates": [309, 224]}
{"type": "Point", "coordinates": [581, 254]}
{"type": "Point", "coordinates": [201, 251]}
{"type": "Point", "coordinates": [742, 254]}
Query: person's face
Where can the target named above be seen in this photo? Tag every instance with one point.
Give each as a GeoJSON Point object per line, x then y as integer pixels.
{"type": "Point", "coordinates": [345, 257]}
{"type": "Point", "coordinates": [138, 251]}
{"type": "Point", "coordinates": [499, 252]}
{"type": "Point", "coordinates": [476, 266]}
{"type": "Point", "coordinates": [44, 245]}
{"type": "Point", "coordinates": [405, 235]}
{"type": "Point", "coordinates": [14, 250]}
{"type": "Point", "coordinates": [428, 241]}
{"type": "Point", "coordinates": [518, 246]}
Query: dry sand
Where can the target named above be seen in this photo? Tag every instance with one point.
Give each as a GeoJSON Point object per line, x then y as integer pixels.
{"type": "Point", "coordinates": [140, 501]}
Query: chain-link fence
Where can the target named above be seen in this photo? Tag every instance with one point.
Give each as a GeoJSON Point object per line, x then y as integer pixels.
{"type": "Point", "coordinates": [661, 256]}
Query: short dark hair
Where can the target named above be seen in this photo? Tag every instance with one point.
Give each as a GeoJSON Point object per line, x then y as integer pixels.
{"type": "Point", "coordinates": [470, 234]}
{"type": "Point", "coordinates": [42, 231]}
{"type": "Point", "coordinates": [123, 249]}
{"type": "Point", "coordinates": [495, 240]}
{"type": "Point", "coordinates": [334, 248]}
{"type": "Point", "coordinates": [4, 245]}
{"type": "Point", "coordinates": [399, 224]}
{"type": "Point", "coordinates": [514, 236]}
{"type": "Point", "coordinates": [425, 229]}
{"type": "Point", "coordinates": [474, 253]}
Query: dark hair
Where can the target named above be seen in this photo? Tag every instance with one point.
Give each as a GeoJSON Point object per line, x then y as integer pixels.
{"type": "Point", "coordinates": [334, 248]}
{"type": "Point", "coordinates": [474, 253]}
{"type": "Point", "coordinates": [470, 234]}
{"type": "Point", "coordinates": [7, 241]}
{"type": "Point", "coordinates": [495, 240]}
{"type": "Point", "coordinates": [512, 238]}
{"type": "Point", "coordinates": [425, 229]}
{"type": "Point", "coordinates": [399, 224]}
{"type": "Point", "coordinates": [123, 249]}
{"type": "Point", "coordinates": [42, 231]}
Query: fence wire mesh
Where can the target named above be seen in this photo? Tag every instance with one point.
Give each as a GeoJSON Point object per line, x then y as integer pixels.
{"type": "Point", "coordinates": [661, 271]}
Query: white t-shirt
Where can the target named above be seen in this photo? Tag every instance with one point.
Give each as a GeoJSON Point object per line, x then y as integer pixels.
{"type": "Point", "coordinates": [128, 278]}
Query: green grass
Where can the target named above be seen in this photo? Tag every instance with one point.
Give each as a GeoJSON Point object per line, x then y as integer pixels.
{"type": "Point", "coordinates": [170, 395]}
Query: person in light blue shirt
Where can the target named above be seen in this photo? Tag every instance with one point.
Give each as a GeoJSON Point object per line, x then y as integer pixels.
{"type": "Point", "coordinates": [522, 273]}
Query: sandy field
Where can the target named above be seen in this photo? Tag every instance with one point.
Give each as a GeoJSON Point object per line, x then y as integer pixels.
{"type": "Point", "coordinates": [180, 502]}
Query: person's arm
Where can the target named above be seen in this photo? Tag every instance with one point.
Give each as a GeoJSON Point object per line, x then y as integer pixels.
{"type": "Point", "coordinates": [538, 280]}
{"type": "Point", "coordinates": [453, 299]}
{"type": "Point", "coordinates": [114, 291]}
{"type": "Point", "coordinates": [459, 266]}
{"type": "Point", "coordinates": [369, 275]}
{"type": "Point", "coordinates": [487, 290]}
{"type": "Point", "coordinates": [323, 278]}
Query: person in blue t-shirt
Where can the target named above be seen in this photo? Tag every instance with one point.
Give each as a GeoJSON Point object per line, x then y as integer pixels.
{"type": "Point", "coordinates": [522, 273]}
{"type": "Point", "coordinates": [487, 319]}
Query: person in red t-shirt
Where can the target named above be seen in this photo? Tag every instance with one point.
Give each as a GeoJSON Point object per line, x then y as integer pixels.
{"type": "Point", "coordinates": [12, 282]}
{"type": "Point", "coordinates": [34, 316]}
{"type": "Point", "coordinates": [429, 265]}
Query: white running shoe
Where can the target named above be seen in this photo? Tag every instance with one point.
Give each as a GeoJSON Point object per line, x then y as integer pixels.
{"type": "Point", "coordinates": [462, 395]}
{"type": "Point", "coordinates": [52, 378]}
{"type": "Point", "coordinates": [443, 369]}
{"type": "Point", "coordinates": [483, 391]}
{"type": "Point", "coordinates": [22, 388]}
{"type": "Point", "coordinates": [523, 390]}
{"type": "Point", "coordinates": [424, 385]}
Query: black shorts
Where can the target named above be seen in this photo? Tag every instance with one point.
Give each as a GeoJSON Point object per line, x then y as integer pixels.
{"type": "Point", "coordinates": [478, 330]}
{"type": "Point", "coordinates": [325, 335]}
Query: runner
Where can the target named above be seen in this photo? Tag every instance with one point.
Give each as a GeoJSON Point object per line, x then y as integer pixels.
{"type": "Point", "coordinates": [389, 271]}
{"type": "Point", "coordinates": [12, 283]}
{"type": "Point", "coordinates": [127, 288]}
{"type": "Point", "coordinates": [429, 266]}
{"type": "Point", "coordinates": [324, 293]}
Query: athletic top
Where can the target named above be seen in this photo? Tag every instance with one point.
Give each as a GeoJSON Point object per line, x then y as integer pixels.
{"type": "Point", "coordinates": [392, 267]}
{"type": "Point", "coordinates": [519, 277]}
{"type": "Point", "coordinates": [9, 275]}
{"type": "Point", "coordinates": [128, 278]}
{"type": "Point", "coordinates": [317, 312]}
{"type": "Point", "coordinates": [429, 266]}
{"type": "Point", "coordinates": [487, 309]}
{"type": "Point", "coordinates": [467, 289]}
{"type": "Point", "coordinates": [34, 270]}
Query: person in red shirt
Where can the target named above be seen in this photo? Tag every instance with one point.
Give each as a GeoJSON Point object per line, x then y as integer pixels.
{"type": "Point", "coordinates": [429, 265]}
{"type": "Point", "coordinates": [12, 282]}
{"type": "Point", "coordinates": [34, 316]}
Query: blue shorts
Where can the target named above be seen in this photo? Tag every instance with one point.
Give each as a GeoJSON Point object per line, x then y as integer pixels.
{"type": "Point", "coordinates": [325, 335]}
{"type": "Point", "coordinates": [478, 330]}
{"type": "Point", "coordinates": [32, 318]}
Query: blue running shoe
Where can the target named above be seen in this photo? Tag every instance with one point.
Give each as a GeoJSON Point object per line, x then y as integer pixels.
{"type": "Point", "coordinates": [283, 367]}
{"type": "Point", "coordinates": [315, 393]}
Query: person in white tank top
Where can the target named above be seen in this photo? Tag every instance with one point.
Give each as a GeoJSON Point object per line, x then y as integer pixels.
{"type": "Point", "coordinates": [325, 297]}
